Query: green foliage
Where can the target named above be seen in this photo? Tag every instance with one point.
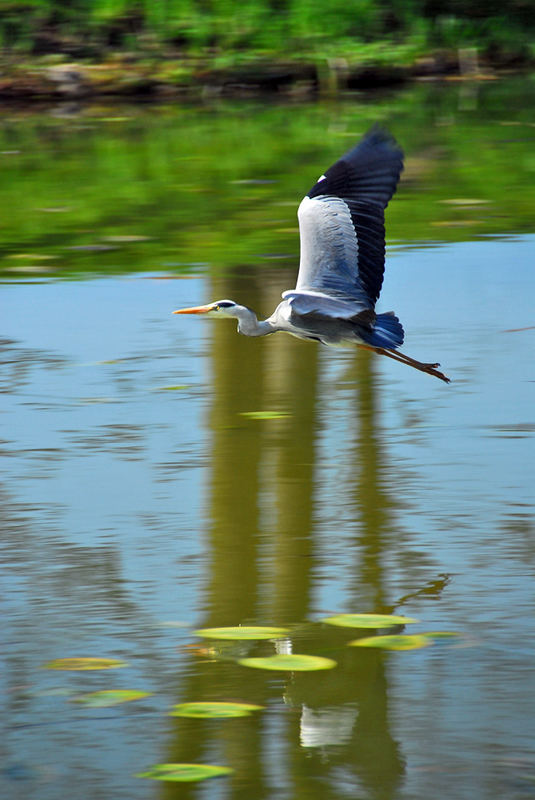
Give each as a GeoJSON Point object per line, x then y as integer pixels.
{"type": "Point", "coordinates": [277, 26]}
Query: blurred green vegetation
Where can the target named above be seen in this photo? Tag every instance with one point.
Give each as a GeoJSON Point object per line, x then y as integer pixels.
{"type": "Point", "coordinates": [302, 29]}
{"type": "Point", "coordinates": [182, 189]}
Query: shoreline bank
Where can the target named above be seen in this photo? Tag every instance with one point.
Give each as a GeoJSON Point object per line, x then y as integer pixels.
{"type": "Point", "coordinates": [128, 76]}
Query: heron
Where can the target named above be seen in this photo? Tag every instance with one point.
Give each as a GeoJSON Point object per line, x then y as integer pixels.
{"type": "Point", "coordinates": [342, 260]}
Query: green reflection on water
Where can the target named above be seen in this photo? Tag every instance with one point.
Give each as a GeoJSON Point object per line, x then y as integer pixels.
{"type": "Point", "coordinates": [185, 188]}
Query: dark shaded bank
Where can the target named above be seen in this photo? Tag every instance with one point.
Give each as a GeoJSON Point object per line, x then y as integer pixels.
{"type": "Point", "coordinates": [55, 78]}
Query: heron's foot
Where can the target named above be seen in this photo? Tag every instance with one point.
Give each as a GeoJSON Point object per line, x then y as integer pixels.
{"type": "Point", "coordinates": [430, 369]}
{"type": "Point", "coordinates": [433, 371]}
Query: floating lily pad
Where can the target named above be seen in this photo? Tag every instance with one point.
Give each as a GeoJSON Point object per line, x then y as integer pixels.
{"type": "Point", "coordinates": [368, 620]}
{"type": "Point", "coordinates": [289, 662]}
{"type": "Point", "coordinates": [184, 772]}
{"type": "Point", "coordinates": [177, 388]}
{"type": "Point", "coordinates": [213, 710]}
{"type": "Point", "coordinates": [243, 632]}
{"type": "Point", "coordinates": [399, 642]}
{"type": "Point", "coordinates": [82, 664]}
{"type": "Point", "coordinates": [109, 697]}
{"type": "Point", "coordinates": [264, 414]}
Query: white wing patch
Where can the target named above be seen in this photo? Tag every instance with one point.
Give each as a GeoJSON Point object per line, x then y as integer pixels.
{"type": "Point", "coordinates": [329, 247]}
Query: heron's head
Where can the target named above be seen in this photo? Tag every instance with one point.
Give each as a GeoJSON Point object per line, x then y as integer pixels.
{"type": "Point", "coordinates": [225, 308]}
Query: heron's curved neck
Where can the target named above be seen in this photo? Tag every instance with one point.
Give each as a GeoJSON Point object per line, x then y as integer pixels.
{"type": "Point", "coordinates": [250, 325]}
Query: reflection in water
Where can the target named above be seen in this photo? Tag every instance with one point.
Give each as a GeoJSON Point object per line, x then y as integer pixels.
{"type": "Point", "coordinates": [262, 567]}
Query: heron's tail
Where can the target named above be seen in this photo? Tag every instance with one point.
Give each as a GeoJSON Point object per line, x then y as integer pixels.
{"type": "Point", "coordinates": [387, 332]}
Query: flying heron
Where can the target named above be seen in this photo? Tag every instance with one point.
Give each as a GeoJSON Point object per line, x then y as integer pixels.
{"type": "Point", "coordinates": [341, 225]}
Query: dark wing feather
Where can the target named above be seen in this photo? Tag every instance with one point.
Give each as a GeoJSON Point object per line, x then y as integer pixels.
{"type": "Point", "coordinates": [342, 221]}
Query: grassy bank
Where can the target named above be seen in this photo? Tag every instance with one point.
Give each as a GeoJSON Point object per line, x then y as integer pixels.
{"type": "Point", "coordinates": [52, 48]}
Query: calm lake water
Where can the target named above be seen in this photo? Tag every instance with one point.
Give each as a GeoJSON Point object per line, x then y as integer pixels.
{"type": "Point", "coordinates": [143, 499]}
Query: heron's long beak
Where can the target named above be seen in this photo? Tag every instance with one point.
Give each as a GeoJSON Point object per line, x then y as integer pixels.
{"type": "Point", "coordinates": [195, 310]}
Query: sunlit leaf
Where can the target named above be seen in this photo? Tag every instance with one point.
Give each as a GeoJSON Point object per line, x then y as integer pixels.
{"type": "Point", "coordinates": [264, 414]}
{"type": "Point", "coordinates": [291, 662]}
{"type": "Point", "coordinates": [184, 772]}
{"type": "Point", "coordinates": [109, 697]}
{"type": "Point", "coordinates": [83, 664]}
{"type": "Point", "coordinates": [213, 710]}
{"type": "Point", "coordinates": [177, 388]}
{"type": "Point", "coordinates": [243, 632]}
{"type": "Point", "coordinates": [439, 635]}
{"type": "Point", "coordinates": [368, 620]}
{"type": "Point", "coordinates": [394, 642]}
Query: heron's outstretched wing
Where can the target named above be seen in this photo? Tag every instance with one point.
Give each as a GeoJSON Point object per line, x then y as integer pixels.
{"type": "Point", "coordinates": [341, 223]}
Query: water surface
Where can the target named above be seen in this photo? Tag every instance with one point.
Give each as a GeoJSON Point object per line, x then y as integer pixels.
{"type": "Point", "coordinates": [142, 501]}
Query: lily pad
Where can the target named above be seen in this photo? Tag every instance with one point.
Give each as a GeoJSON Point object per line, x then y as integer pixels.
{"type": "Point", "coordinates": [184, 772]}
{"type": "Point", "coordinates": [83, 664]}
{"type": "Point", "coordinates": [243, 632]}
{"type": "Point", "coordinates": [264, 414]}
{"type": "Point", "coordinates": [368, 620]}
{"type": "Point", "coordinates": [395, 642]}
{"type": "Point", "coordinates": [109, 697]}
{"type": "Point", "coordinates": [213, 710]}
{"type": "Point", "coordinates": [291, 662]}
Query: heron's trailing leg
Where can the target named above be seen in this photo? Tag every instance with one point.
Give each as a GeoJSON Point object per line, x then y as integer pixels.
{"type": "Point", "coordinates": [430, 369]}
